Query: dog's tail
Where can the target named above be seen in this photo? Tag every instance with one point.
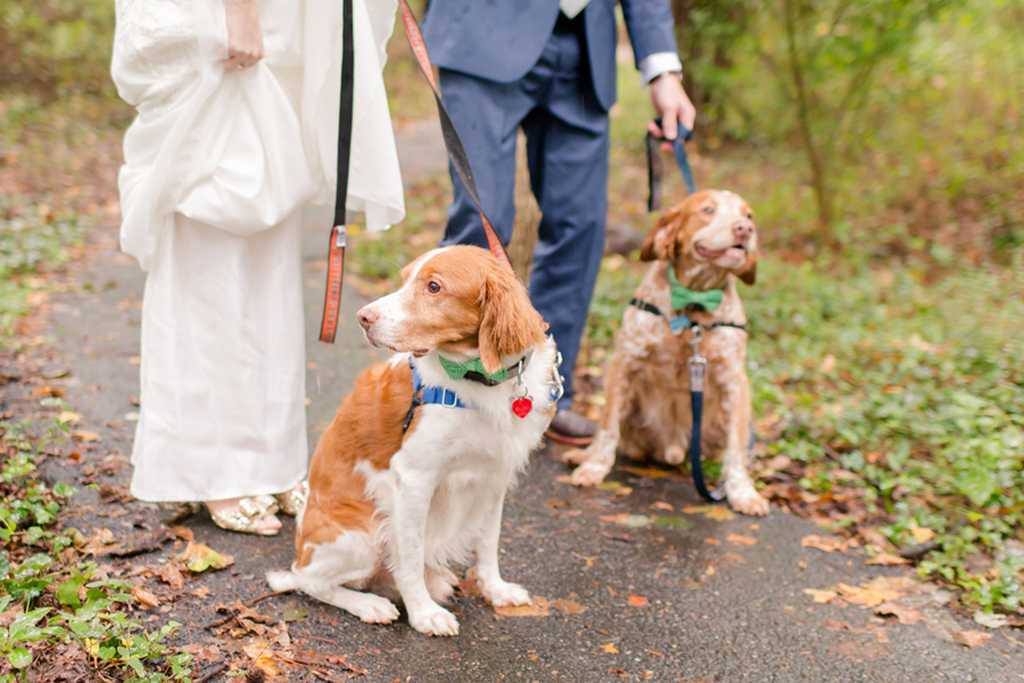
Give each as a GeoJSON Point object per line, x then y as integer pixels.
{"type": "Point", "coordinates": [283, 581]}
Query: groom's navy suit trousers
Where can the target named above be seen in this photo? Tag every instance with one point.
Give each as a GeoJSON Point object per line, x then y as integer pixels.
{"type": "Point", "coordinates": [507, 64]}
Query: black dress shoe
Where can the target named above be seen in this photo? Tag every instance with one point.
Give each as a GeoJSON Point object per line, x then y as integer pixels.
{"type": "Point", "coordinates": [571, 428]}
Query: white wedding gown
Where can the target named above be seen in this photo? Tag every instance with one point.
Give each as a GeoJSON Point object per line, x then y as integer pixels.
{"type": "Point", "coordinates": [217, 167]}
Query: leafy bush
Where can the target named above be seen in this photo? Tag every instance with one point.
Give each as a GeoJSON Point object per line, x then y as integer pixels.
{"type": "Point", "coordinates": [53, 44]}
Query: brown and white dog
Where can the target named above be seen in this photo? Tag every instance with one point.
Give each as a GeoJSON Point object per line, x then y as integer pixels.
{"type": "Point", "coordinates": [391, 506]}
{"type": "Point", "coordinates": [710, 241]}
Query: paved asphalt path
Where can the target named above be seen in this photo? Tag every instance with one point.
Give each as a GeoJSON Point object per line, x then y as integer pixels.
{"type": "Point", "coordinates": [660, 603]}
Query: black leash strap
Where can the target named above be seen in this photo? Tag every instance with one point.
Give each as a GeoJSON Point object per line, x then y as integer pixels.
{"type": "Point", "coordinates": [456, 152]}
{"type": "Point", "coordinates": [656, 174]}
{"type": "Point", "coordinates": [336, 250]}
{"type": "Point", "coordinates": [656, 168]}
{"type": "Point", "coordinates": [698, 366]}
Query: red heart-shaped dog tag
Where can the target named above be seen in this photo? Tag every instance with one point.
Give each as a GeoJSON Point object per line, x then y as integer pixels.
{"type": "Point", "coordinates": [522, 406]}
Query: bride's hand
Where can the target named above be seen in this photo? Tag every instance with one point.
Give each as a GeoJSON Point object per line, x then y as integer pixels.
{"type": "Point", "coordinates": [245, 38]}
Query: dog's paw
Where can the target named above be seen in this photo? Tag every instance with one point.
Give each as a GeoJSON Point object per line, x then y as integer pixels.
{"type": "Point", "coordinates": [675, 454]}
{"type": "Point", "coordinates": [749, 502]}
{"type": "Point", "coordinates": [574, 456]}
{"type": "Point", "coordinates": [373, 609]}
{"type": "Point", "coordinates": [589, 474]}
{"type": "Point", "coordinates": [505, 594]}
{"type": "Point", "coordinates": [434, 621]}
{"type": "Point", "coordinates": [439, 585]}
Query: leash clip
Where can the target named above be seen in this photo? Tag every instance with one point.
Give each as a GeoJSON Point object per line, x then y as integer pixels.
{"type": "Point", "coordinates": [697, 362]}
{"type": "Point", "coordinates": [557, 383]}
{"type": "Point", "coordinates": [340, 241]}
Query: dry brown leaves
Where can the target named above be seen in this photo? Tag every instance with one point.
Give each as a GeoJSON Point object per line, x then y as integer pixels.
{"type": "Point", "coordinates": [828, 544]}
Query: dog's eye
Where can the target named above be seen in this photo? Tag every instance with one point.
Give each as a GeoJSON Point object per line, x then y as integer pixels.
{"type": "Point", "coordinates": [709, 209]}
{"type": "Point", "coordinates": [749, 214]}
{"type": "Point", "coordinates": [434, 288]}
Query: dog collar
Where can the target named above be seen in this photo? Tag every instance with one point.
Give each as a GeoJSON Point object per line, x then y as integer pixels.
{"type": "Point", "coordinates": [473, 370]}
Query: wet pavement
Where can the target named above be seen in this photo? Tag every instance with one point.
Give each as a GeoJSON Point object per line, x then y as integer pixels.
{"type": "Point", "coordinates": [629, 584]}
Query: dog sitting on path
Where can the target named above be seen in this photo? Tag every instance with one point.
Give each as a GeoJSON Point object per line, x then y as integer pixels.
{"type": "Point", "coordinates": [700, 248]}
{"type": "Point", "coordinates": [411, 475]}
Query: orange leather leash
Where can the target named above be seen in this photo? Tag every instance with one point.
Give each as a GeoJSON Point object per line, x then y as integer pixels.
{"type": "Point", "coordinates": [336, 253]}
{"type": "Point", "coordinates": [456, 152]}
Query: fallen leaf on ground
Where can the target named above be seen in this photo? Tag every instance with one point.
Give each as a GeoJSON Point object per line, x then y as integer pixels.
{"type": "Point", "coordinates": [922, 534]}
{"type": "Point", "coordinates": [905, 614]}
{"type": "Point", "coordinates": [740, 540]}
{"type": "Point", "coordinates": [262, 656]}
{"type": "Point", "coordinates": [887, 560]}
{"type": "Point", "coordinates": [652, 472]}
{"type": "Point", "coordinates": [171, 575]}
{"type": "Point", "coordinates": [608, 485]}
{"type": "Point", "coordinates": [662, 506]}
{"type": "Point", "coordinates": [144, 597]}
{"type": "Point", "coordinates": [820, 595]}
{"type": "Point", "coordinates": [719, 513]}
{"type": "Point", "coordinates": [624, 491]}
{"type": "Point", "coordinates": [869, 597]}
{"type": "Point", "coordinates": [625, 519]}
{"type": "Point", "coordinates": [673, 522]}
{"type": "Point", "coordinates": [203, 652]}
{"type": "Point", "coordinates": [590, 560]}
{"type": "Point", "coordinates": [637, 601]}
{"type": "Point", "coordinates": [712, 541]}
{"type": "Point", "coordinates": [827, 544]}
{"type": "Point", "coordinates": [568, 606]}
{"type": "Point", "coordinates": [989, 620]}
{"type": "Point", "coordinates": [87, 437]}
{"type": "Point", "coordinates": [184, 533]}
{"type": "Point", "coordinates": [970, 638]}
{"type": "Point", "coordinates": [198, 557]}
{"type": "Point", "coordinates": [538, 607]}
{"type": "Point", "coordinates": [610, 648]}
{"type": "Point", "coordinates": [67, 416]}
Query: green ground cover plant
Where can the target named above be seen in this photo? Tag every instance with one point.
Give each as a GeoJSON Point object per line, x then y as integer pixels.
{"type": "Point", "coordinates": [54, 605]}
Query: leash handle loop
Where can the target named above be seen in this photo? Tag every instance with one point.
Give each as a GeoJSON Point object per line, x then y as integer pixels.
{"type": "Point", "coordinates": [456, 151]}
{"type": "Point", "coordinates": [336, 248]}
{"type": "Point", "coordinates": [656, 168]}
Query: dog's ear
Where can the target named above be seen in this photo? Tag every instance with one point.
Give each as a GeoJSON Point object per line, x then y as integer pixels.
{"type": "Point", "coordinates": [660, 244]}
{"type": "Point", "coordinates": [748, 273]}
{"type": "Point", "coordinates": [509, 323]}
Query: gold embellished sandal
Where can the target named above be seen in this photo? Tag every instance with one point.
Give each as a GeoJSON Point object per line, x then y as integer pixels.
{"type": "Point", "coordinates": [292, 502]}
{"type": "Point", "coordinates": [246, 518]}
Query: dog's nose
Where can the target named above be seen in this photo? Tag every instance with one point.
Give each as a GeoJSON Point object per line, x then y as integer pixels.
{"type": "Point", "coordinates": [742, 230]}
{"type": "Point", "coordinates": [367, 317]}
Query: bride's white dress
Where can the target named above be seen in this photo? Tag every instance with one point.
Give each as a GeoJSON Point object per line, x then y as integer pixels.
{"type": "Point", "coordinates": [217, 167]}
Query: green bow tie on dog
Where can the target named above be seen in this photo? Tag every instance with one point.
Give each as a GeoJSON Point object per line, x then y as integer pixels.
{"type": "Point", "coordinates": [682, 297]}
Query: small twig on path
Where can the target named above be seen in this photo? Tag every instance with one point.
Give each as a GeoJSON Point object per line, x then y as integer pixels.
{"type": "Point", "coordinates": [264, 597]}
{"type": "Point", "coordinates": [326, 640]}
{"type": "Point", "coordinates": [215, 671]}
{"type": "Point", "coordinates": [593, 628]}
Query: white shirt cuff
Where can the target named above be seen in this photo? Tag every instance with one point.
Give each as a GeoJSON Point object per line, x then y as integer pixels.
{"type": "Point", "coordinates": [658, 63]}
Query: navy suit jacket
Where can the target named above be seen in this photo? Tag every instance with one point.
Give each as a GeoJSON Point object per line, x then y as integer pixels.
{"type": "Point", "coordinates": [501, 40]}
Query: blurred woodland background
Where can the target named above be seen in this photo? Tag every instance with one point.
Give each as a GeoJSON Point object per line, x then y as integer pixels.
{"type": "Point", "coordinates": [881, 144]}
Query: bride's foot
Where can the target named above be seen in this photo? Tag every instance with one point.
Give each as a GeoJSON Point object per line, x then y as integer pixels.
{"type": "Point", "coordinates": [292, 502]}
{"type": "Point", "coordinates": [249, 515]}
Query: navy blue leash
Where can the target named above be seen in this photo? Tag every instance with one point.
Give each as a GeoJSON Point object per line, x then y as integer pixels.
{"type": "Point", "coordinates": [656, 168]}
{"type": "Point", "coordinates": [656, 174]}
